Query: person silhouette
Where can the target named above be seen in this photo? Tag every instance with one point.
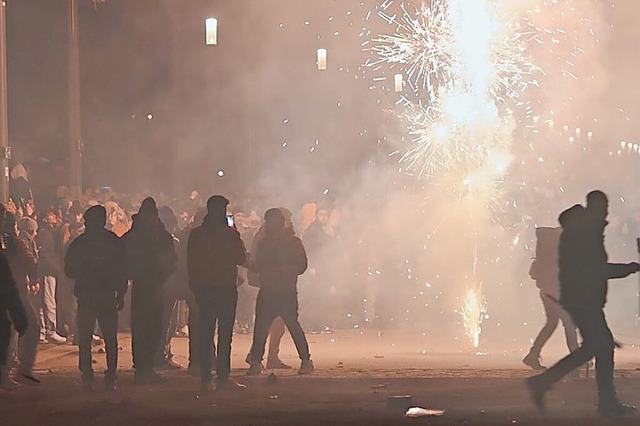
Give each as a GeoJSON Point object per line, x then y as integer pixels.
{"type": "Point", "coordinates": [544, 270]}
{"type": "Point", "coordinates": [94, 261]}
{"type": "Point", "coordinates": [584, 274]}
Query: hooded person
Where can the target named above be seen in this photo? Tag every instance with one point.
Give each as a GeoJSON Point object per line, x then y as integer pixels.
{"type": "Point", "coordinates": [95, 261]}
{"type": "Point", "coordinates": [151, 259]}
{"type": "Point", "coordinates": [279, 259]}
{"type": "Point", "coordinates": [214, 252]}
{"type": "Point", "coordinates": [584, 274]}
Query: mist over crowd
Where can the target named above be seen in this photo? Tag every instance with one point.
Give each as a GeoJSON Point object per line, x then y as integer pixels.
{"type": "Point", "coordinates": [253, 118]}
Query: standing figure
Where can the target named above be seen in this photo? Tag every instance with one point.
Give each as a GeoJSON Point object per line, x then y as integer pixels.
{"type": "Point", "coordinates": [50, 267]}
{"type": "Point", "coordinates": [151, 259]}
{"type": "Point", "coordinates": [95, 261]}
{"type": "Point", "coordinates": [24, 268]}
{"type": "Point", "coordinates": [11, 313]}
{"type": "Point", "coordinates": [279, 259]}
{"type": "Point", "coordinates": [584, 275]}
{"type": "Point", "coordinates": [214, 252]}
{"type": "Point", "coordinates": [544, 270]}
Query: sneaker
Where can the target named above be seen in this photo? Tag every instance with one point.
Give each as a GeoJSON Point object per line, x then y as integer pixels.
{"type": "Point", "coordinates": [538, 387]}
{"type": "Point", "coordinates": [306, 367]}
{"type": "Point", "coordinates": [56, 339]}
{"type": "Point", "coordinates": [230, 385]}
{"type": "Point", "coordinates": [615, 409]}
{"type": "Point", "coordinates": [8, 384]}
{"type": "Point", "coordinates": [43, 339]}
{"type": "Point", "coordinates": [255, 370]}
{"type": "Point", "coordinates": [326, 330]}
{"type": "Point", "coordinates": [277, 364]}
{"type": "Point", "coordinates": [533, 361]}
{"type": "Point", "coordinates": [96, 341]}
{"type": "Point", "coordinates": [169, 364]}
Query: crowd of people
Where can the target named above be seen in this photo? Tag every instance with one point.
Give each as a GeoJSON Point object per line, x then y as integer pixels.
{"type": "Point", "coordinates": [65, 275]}
{"type": "Point", "coordinates": [74, 265]}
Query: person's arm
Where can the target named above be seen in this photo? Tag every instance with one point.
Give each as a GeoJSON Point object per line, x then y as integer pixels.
{"type": "Point", "coordinates": [621, 270]}
{"type": "Point", "coordinates": [299, 254]}
{"type": "Point", "coordinates": [238, 251]}
{"type": "Point", "coordinates": [72, 264]}
{"type": "Point", "coordinates": [192, 257]}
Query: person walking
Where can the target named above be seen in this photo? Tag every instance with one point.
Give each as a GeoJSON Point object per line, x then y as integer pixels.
{"type": "Point", "coordinates": [584, 274]}
{"type": "Point", "coordinates": [280, 257]}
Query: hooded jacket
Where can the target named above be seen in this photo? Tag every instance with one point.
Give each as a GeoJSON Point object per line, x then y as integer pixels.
{"type": "Point", "coordinates": [150, 254]}
{"type": "Point", "coordinates": [279, 259]}
{"type": "Point", "coordinates": [214, 252]}
{"type": "Point", "coordinates": [583, 261]}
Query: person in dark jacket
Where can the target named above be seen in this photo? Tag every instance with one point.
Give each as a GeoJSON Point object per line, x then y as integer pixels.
{"type": "Point", "coordinates": [214, 252]}
{"type": "Point", "coordinates": [280, 257]}
{"type": "Point", "coordinates": [151, 259]}
{"type": "Point", "coordinates": [24, 269]}
{"type": "Point", "coordinates": [544, 270]}
{"type": "Point", "coordinates": [11, 313]}
{"type": "Point", "coordinates": [584, 275]}
{"type": "Point", "coordinates": [95, 261]}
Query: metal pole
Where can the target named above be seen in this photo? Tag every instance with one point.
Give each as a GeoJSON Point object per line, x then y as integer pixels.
{"type": "Point", "coordinates": [5, 151]}
{"type": "Point", "coordinates": [75, 130]}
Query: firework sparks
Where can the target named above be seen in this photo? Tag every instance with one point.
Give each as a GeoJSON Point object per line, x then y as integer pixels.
{"type": "Point", "coordinates": [474, 312]}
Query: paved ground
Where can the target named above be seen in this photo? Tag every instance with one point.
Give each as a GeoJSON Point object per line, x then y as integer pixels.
{"type": "Point", "coordinates": [357, 373]}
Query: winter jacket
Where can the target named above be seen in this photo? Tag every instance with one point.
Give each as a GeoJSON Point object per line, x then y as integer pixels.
{"type": "Point", "coordinates": [95, 260]}
{"type": "Point", "coordinates": [150, 255]}
{"type": "Point", "coordinates": [214, 252]}
{"type": "Point", "coordinates": [583, 261]}
{"type": "Point", "coordinates": [279, 259]}
{"type": "Point", "coordinates": [10, 298]}
{"type": "Point", "coordinates": [49, 261]}
{"type": "Point", "coordinates": [22, 261]}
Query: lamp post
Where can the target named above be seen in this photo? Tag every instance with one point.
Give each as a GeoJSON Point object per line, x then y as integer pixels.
{"type": "Point", "coordinates": [75, 129]}
{"type": "Point", "coordinates": [5, 151]}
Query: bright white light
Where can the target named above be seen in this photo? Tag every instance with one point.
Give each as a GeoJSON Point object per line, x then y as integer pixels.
{"type": "Point", "coordinates": [220, 173]}
{"type": "Point", "coordinates": [211, 31]}
{"type": "Point", "coordinates": [321, 59]}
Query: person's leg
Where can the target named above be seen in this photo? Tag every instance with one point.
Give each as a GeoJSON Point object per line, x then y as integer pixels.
{"type": "Point", "coordinates": [264, 317]}
{"type": "Point", "coordinates": [5, 337]}
{"type": "Point", "coordinates": [289, 313]}
{"type": "Point", "coordinates": [551, 309]}
{"type": "Point", "coordinates": [599, 338]}
{"type": "Point", "coordinates": [108, 320]}
{"type": "Point", "coordinates": [206, 315]}
{"type": "Point", "coordinates": [570, 330]}
{"type": "Point", "coordinates": [28, 343]}
{"type": "Point", "coordinates": [86, 321]}
{"type": "Point", "coordinates": [276, 332]}
{"type": "Point", "coordinates": [165, 322]}
{"type": "Point", "coordinates": [49, 305]}
{"type": "Point", "coordinates": [193, 324]}
{"type": "Point", "coordinates": [155, 329]}
{"type": "Point", "coordinates": [138, 319]}
{"type": "Point", "coordinates": [226, 307]}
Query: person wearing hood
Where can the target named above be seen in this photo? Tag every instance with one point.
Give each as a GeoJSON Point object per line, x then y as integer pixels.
{"type": "Point", "coordinates": [95, 261]}
{"type": "Point", "coordinates": [584, 274]}
{"type": "Point", "coordinates": [151, 259]}
{"type": "Point", "coordinates": [214, 252]}
{"type": "Point", "coordinates": [279, 259]}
